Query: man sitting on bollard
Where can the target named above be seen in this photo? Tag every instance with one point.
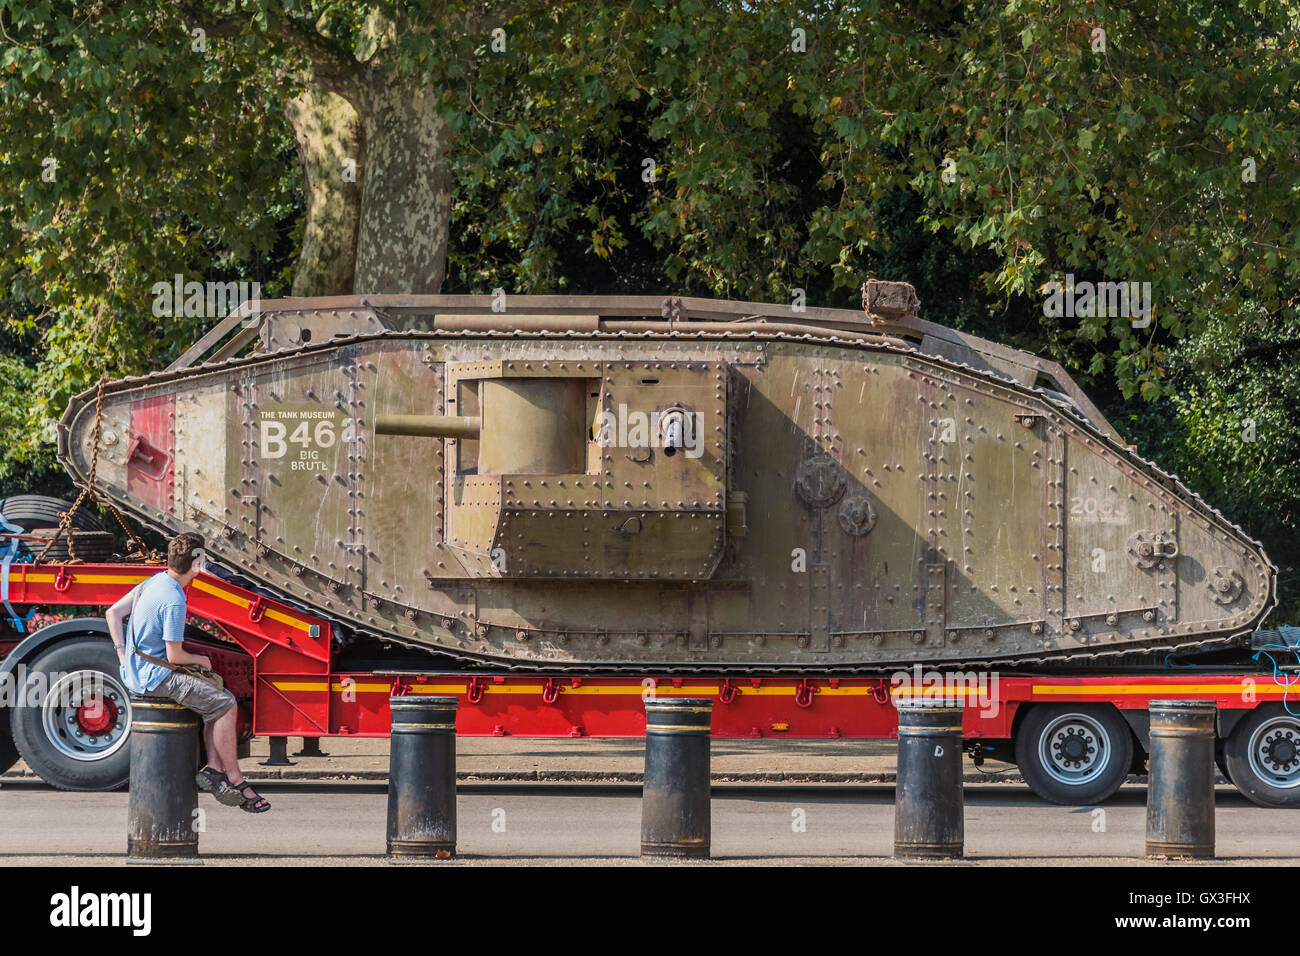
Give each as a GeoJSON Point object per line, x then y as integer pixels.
{"type": "Point", "coordinates": [155, 664]}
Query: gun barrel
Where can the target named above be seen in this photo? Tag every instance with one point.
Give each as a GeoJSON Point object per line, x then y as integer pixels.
{"type": "Point", "coordinates": [428, 426]}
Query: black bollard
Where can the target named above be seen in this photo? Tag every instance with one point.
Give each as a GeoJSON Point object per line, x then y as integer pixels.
{"type": "Point", "coordinates": [675, 795]}
{"type": "Point", "coordinates": [928, 805]}
{"type": "Point", "coordinates": [1180, 788]}
{"type": "Point", "coordinates": [422, 778]}
{"type": "Point", "coordinates": [160, 807]}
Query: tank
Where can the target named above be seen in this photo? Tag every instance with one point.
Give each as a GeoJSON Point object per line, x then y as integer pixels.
{"type": "Point", "coordinates": [668, 483]}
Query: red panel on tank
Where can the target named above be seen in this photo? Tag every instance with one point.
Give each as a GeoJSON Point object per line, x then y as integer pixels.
{"type": "Point", "coordinates": [150, 467]}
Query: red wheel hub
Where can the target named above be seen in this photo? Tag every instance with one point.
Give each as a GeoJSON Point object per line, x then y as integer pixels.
{"type": "Point", "coordinates": [97, 715]}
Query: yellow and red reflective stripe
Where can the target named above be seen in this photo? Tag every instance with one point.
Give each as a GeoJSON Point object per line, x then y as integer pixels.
{"type": "Point", "coordinates": [131, 579]}
{"type": "Point", "coordinates": [626, 690]}
{"type": "Point", "coordinates": [275, 615]}
{"type": "Point", "coordinates": [1261, 685]}
{"type": "Point", "coordinates": [615, 690]}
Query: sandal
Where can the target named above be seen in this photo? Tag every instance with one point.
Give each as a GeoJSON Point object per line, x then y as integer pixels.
{"type": "Point", "coordinates": [213, 781]}
{"type": "Point", "coordinates": [209, 778]}
{"type": "Point", "coordinates": [254, 804]}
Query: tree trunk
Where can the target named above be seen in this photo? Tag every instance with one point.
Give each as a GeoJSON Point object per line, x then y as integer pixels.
{"type": "Point", "coordinates": [406, 199]}
{"type": "Point", "coordinates": [330, 151]}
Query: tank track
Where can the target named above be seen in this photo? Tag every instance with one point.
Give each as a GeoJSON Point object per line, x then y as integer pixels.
{"type": "Point", "coordinates": [819, 336]}
{"type": "Point", "coordinates": [1149, 655]}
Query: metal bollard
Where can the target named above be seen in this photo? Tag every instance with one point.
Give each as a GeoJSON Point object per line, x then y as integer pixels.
{"type": "Point", "coordinates": [928, 803]}
{"type": "Point", "coordinates": [422, 778]}
{"type": "Point", "coordinates": [1180, 788]}
{"type": "Point", "coordinates": [163, 798]}
{"type": "Point", "coordinates": [675, 795]}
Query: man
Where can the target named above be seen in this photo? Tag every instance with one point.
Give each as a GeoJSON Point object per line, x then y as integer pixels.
{"type": "Point", "coordinates": [156, 608]}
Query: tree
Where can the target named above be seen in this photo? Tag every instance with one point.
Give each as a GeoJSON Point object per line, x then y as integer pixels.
{"type": "Point", "coordinates": [1229, 426]}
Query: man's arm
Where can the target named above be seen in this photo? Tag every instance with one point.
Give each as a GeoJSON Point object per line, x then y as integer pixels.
{"type": "Point", "coordinates": [115, 616]}
{"type": "Point", "coordinates": [174, 633]}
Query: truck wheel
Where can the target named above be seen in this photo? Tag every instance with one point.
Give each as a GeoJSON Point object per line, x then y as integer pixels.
{"type": "Point", "coordinates": [73, 718]}
{"type": "Point", "coordinates": [1075, 754]}
{"type": "Point", "coordinates": [1219, 760]}
{"type": "Point", "coordinates": [1263, 757]}
{"type": "Point", "coordinates": [8, 752]}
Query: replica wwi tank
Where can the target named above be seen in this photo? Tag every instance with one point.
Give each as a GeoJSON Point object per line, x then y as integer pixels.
{"type": "Point", "coordinates": [670, 484]}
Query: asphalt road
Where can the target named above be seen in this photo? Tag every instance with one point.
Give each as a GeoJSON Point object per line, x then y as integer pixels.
{"type": "Point", "coordinates": [344, 824]}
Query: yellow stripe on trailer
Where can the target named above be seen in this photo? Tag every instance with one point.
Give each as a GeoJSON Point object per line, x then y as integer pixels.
{"type": "Point", "coordinates": [339, 686]}
{"type": "Point", "coordinates": [1104, 690]}
{"type": "Point", "coordinates": [131, 579]}
{"type": "Point", "coordinates": [620, 690]}
{"type": "Point", "coordinates": [243, 602]}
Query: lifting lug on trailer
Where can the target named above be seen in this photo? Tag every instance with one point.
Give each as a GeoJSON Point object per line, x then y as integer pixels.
{"type": "Point", "coordinates": [727, 690]}
{"type": "Point", "coordinates": [550, 690]}
{"type": "Point", "coordinates": [803, 695]}
{"type": "Point", "coordinates": [474, 692]}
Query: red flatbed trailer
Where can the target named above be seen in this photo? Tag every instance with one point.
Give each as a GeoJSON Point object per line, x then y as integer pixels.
{"type": "Point", "coordinates": [281, 664]}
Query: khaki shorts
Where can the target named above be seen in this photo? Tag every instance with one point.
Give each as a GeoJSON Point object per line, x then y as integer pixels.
{"type": "Point", "coordinates": [198, 695]}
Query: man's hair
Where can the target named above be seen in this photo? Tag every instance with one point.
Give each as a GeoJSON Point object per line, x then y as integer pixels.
{"type": "Point", "coordinates": [181, 551]}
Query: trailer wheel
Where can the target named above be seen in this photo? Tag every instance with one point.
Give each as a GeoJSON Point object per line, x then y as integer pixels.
{"type": "Point", "coordinates": [1263, 757]}
{"type": "Point", "coordinates": [73, 718]}
{"type": "Point", "coordinates": [1220, 760]}
{"type": "Point", "coordinates": [8, 752]}
{"type": "Point", "coordinates": [1074, 754]}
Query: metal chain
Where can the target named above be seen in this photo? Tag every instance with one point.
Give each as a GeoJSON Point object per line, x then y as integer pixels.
{"type": "Point", "coordinates": [147, 554]}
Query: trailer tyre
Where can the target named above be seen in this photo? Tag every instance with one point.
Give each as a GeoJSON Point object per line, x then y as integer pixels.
{"type": "Point", "coordinates": [1220, 760]}
{"type": "Point", "coordinates": [1263, 757]}
{"type": "Point", "coordinates": [8, 752]}
{"type": "Point", "coordinates": [75, 734]}
{"type": "Point", "coordinates": [1074, 754]}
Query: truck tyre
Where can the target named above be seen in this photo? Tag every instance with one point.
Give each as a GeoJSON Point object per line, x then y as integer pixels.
{"type": "Point", "coordinates": [8, 752]}
{"type": "Point", "coordinates": [89, 546]}
{"type": "Point", "coordinates": [39, 511]}
{"type": "Point", "coordinates": [1220, 761]}
{"type": "Point", "coordinates": [1263, 757]}
{"type": "Point", "coordinates": [1074, 754]}
{"type": "Point", "coordinates": [75, 734]}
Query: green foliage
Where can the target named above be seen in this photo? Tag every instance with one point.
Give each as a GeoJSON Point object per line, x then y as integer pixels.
{"type": "Point", "coordinates": [1229, 426]}
{"type": "Point", "coordinates": [127, 158]}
